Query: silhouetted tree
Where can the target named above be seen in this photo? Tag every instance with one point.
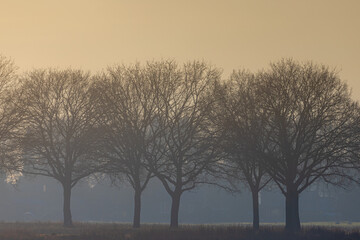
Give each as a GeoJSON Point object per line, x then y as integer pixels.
{"type": "Point", "coordinates": [310, 127]}
{"type": "Point", "coordinates": [126, 102]}
{"type": "Point", "coordinates": [184, 141]}
{"type": "Point", "coordinates": [238, 118]}
{"type": "Point", "coordinates": [10, 118]}
{"type": "Point", "coordinates": [60, 131]}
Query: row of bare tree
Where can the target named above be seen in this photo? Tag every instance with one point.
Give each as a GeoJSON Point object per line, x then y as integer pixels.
{"type": "Point", "coordinates": [292, 125]}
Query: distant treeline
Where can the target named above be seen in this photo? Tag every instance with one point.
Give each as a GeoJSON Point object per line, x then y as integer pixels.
{"type": "Point", "coordinates": [290, 126]}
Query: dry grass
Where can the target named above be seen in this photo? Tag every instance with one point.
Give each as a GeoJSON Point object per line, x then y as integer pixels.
{"type": "Point", "coordinates": [109, 231]}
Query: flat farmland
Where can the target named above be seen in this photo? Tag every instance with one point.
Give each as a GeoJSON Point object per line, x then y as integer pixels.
{"type": "Point", "coordinates": [122, 231]}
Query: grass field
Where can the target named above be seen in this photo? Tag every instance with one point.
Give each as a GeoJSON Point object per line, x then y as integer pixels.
{"type": "Point", "coordinates": [110, 231]}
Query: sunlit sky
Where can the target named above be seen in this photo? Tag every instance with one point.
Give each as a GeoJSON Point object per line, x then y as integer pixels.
{"type": "Point", "coordinates": [93, 34]}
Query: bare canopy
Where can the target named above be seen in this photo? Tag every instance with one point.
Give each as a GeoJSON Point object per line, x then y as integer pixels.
{"type": "Point", "coordinates": [310, 127]}
{"type": "Point", "coordinates": [239, 121]}
{"type": "Point", "coordinates": [60, 131]}
{"type": "Point", "coordinates": [126, 104]}
{"type": "Point", "coordinates": [10, 118]}
{"type": "Point", "coordinates": [184, 144]}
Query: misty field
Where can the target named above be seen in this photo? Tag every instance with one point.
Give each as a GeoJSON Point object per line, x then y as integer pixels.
{"type": "Point", "coordinates": [117, 231]}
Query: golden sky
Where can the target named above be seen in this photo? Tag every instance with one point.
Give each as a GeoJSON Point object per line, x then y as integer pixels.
{"type": "Point", "coordinates": [231, 34]}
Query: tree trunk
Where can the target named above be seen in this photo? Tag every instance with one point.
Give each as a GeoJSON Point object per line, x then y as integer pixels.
{"type": "Point", "coordinates": [292, 211]}
{"type": "Point", "coordinates": [175, 205]}
{"type": "Point", "coordinates": [137, 208]}
{"type": "Point", "coordinates": [255, 199]}
{"type": "Point", "coordinates": [66, 207]}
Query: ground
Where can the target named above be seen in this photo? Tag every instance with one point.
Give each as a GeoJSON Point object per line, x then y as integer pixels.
{"type": "Point", "coordinates": [118, 231]}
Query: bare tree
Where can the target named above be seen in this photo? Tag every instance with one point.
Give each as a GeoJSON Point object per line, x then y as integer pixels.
{"type": "Point", "coordinates": [10, 117]}
{"type": "Point", "coordinates": [60, 131]}
{"type": "Point", "coordinates": [126, 102]}
{"type": "Point", "coordinates": [311, 129]}
{"type": "Point", "coordinates": [238, 117]}
{"type": "Point", "coordinates": [184, 144]}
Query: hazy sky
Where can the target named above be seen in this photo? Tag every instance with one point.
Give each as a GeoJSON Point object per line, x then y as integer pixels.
{"type": "Point", "coordinates": [93, 34]}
